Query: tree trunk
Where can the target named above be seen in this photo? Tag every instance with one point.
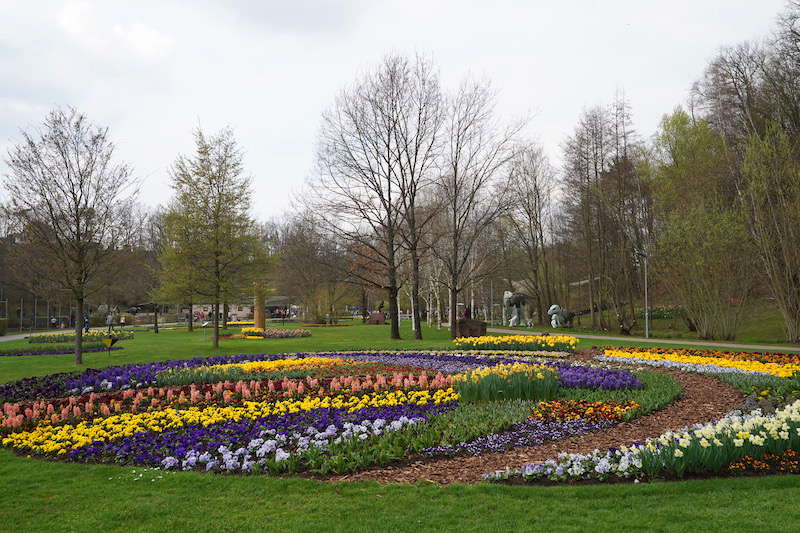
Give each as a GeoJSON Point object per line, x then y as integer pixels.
{"type": "Point", "coordinates": [78, 332]}
{"type": "Point", "coordinates": [395, 320]}
{"type": "Point", "coordinates": [225, 311]}
{"type": "Point", "coordinates": [259, 318]}
{"type": "Point", "coordinates": [155, 318]}
{"type": "Point", "coordinates": [452, 311]}
{"type": "Point", "coordinates": [364, 314]}
{"type": "Point", "coordinates": [190, 326]}
{"type": "Point", "coordinates": [540, 308]}
{"type": "Point", "coordinates": [215, 310]}
{"type": "Point", "coordinates": [415, 312]}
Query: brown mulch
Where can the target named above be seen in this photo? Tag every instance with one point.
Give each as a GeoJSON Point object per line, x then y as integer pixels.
{"type": "Point", "coordinates": [704, 399]}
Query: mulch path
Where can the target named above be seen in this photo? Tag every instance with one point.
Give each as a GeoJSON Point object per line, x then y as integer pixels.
{"type": "Point", "coordinates": [704, 399]}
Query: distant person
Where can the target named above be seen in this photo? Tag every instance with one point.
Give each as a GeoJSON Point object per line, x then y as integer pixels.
{"type": "Point", "coordinates": [72, 319]}
{"type": "Point", "coordinates": [86, 324]}
{"type": "Point", "coordinates": [53, 322]}
{"type": "Point", "coordinates": [122, 321]}
{"type": "Point", "coordinates": [110, 322]}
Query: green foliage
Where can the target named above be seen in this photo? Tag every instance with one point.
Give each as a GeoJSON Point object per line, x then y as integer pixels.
{"type": "Point", "coordinates": [515, 386]}
{"type": "Point", "coordinates": [463, 423]}
{"type": "Point", "coordinates": [757, 384]}
{"type": "Point", "coordinates": [703, 253]}
{"type": "Point", "coordinates": [212, 247]}
{"type": "Point", "coordinates": [772, 195]}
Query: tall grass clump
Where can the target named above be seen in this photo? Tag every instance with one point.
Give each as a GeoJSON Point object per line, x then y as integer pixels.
{"type": "Point", "coordinates": [517, 381]}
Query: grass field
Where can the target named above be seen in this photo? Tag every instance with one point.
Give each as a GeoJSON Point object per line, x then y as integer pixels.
{"type": "Point", "coordinates": [760, 325]}
{"type": "Point", "coordinates": [50, 496]}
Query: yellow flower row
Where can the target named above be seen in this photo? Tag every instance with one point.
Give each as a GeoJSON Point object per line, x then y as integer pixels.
{"type": "Point", "coordinates": [547, 340]}
{"type": "Point", "coordinates": [58, 439]}
{"type": "Point", "coordinates": [252, 331]}
{"type": "Point", "coordinates": [506, 370]}
{"type": "Point", "coordinates": [776, 369]}
{"type": "Point", "coordinates": [280, 364]}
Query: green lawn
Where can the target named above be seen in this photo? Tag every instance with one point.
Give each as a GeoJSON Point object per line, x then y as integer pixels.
{"type": "Point", "coordinates": [760, 325]}
{"type": "Point", "coordinates": [51, 496]}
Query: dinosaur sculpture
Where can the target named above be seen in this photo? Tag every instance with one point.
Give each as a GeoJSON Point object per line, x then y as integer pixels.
{"type": "Point", "coordinates": [513, 301]}
{"type": "Point", "coordinates": [560, 317]}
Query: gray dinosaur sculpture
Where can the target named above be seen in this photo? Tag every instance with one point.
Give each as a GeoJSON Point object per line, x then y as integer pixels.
{"type": "Point", "coordinates": [513, 301]}
{"type": "Point", "coordinates": [560, 317]}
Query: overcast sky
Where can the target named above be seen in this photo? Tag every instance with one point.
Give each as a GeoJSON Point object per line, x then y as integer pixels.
{"type": "Point", "coordinates": [151, 71]}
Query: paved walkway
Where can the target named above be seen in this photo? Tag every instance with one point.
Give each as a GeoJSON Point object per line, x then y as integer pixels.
{"type": "Point", "coordinates": [20, 336]}
{"type": "Point", "coordinates": [712, 344]}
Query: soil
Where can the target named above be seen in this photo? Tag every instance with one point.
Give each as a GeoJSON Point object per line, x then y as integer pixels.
{"type": "Point", "coordinates": [704, 399]}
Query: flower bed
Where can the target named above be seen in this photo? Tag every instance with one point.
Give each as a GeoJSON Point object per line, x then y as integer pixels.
{"type": "Point", "coordinates": [704, 449]}
{"type": "Point", "coordinates": [787, 462]}
{"type": "Point", "coordinates": [555, 343]}
{"type": "Point", "coordinates": [325, 325]}
{"type": "Point", "coordinates": [95, 335]}
{"type": "Point", "coordinates": [49, 349]}
{"type": "Point", "coordinates": [708, 361]}
{"type": "Point", "coordinates": [561, 410]}
{"type": "Point", "coordinates": [286, 333]}
{"type": "Point", "coordinates": [320, 412]}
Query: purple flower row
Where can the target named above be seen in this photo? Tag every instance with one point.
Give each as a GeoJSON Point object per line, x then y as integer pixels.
{"type": "Point", "coordinates": [529, 432]}
{"type": "Point", "coordinates": [109, 378]}
{"type": "Point", "coordinates": [587, 377]}
{"type": "Point", "coordinates": [250, 444]}
{"type": "Point", "coordinates": [58, 352]}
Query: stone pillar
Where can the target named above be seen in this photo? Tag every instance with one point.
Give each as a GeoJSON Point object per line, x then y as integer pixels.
{"type": "Point", "coordinates": [258, 305]}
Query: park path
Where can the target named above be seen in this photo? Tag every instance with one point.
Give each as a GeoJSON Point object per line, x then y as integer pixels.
{"type": "Point", "coordinates": [20, 336]}
{"type": "Point", "coordinates": [711, 344]}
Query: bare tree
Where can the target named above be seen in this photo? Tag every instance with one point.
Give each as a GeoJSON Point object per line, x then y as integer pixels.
{"type": "Point", "coordinates": [73, 201]}
{"type": "Point", "coordinates": [377, 146]}
{"type": "Point", "coordinates": [772, 200]}
{"type": "Point", "coordinates": [531, 186]}
{"type": "Point", "coordinates": [476, 150]}
{"type": "Point", "coordinates": [421, 115]}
